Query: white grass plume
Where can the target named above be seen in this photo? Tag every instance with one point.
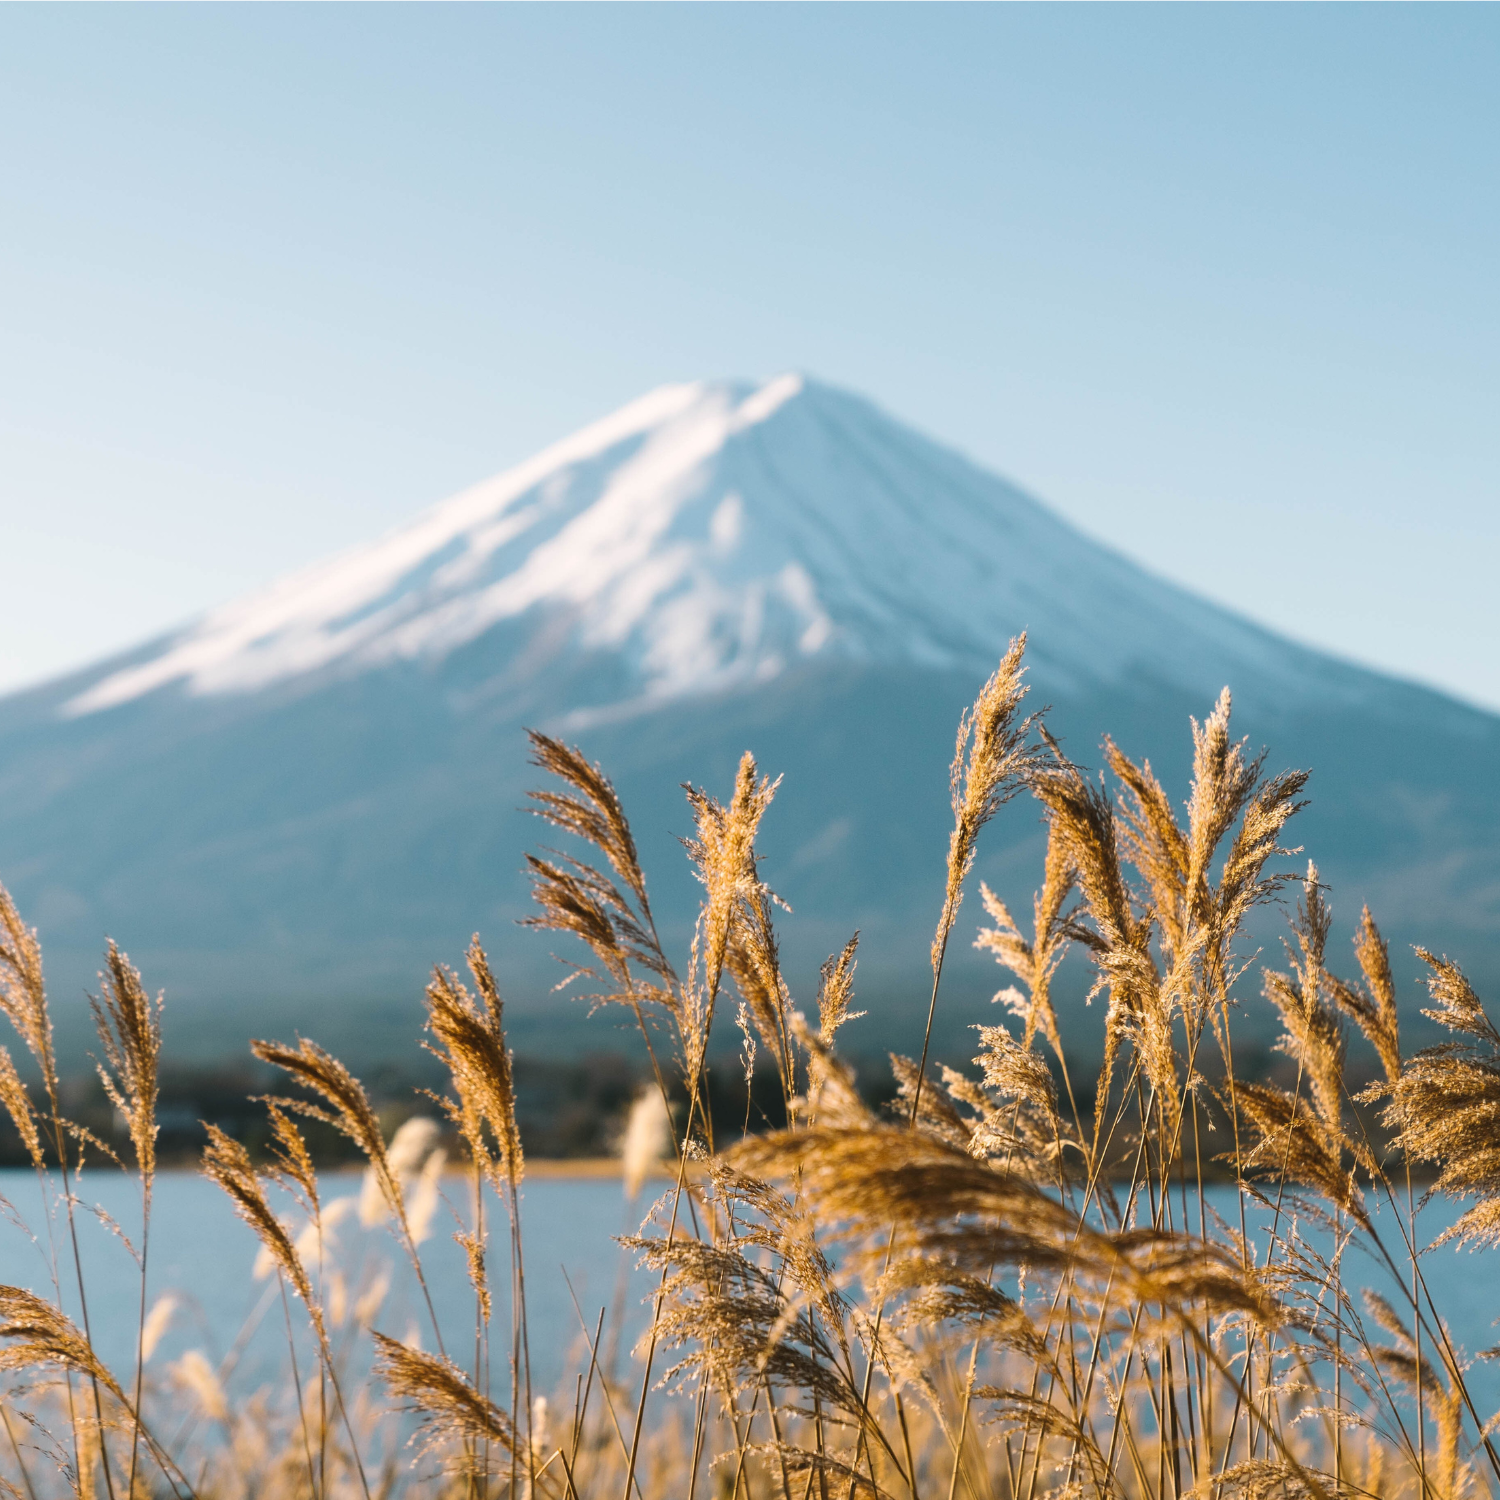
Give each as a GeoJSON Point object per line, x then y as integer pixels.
{"type": "Point", "coordinates": [647, 1140]}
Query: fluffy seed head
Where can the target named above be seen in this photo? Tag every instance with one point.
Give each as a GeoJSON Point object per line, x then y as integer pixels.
{"type": "Point", "coordinates": [647, 1140]}
{"type": "Point", "coordinates": [23, 995]}
{"type": "Point", "coordinates": [992, 761]}
{"type": "Point", "coordinates": [447, 1407]}
{"type": "Point", "coordinates": [40, 1334]}
{"type": "Point", "coordinates": [129, 1027]}
{"type": "Point", "coordinates": [469, 1039]}
{"type": "Point", "coordinates": [227, 1163]}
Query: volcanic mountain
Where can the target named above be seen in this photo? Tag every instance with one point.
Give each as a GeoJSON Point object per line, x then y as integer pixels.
{"type": "Point", "coordinates": [289, 809]}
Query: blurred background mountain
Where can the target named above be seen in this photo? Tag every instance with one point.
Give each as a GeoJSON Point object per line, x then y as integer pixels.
{"type": "Point", "coordinates": [290, 809]}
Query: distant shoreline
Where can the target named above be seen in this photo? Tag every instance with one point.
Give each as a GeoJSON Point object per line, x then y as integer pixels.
{"type": "Point", "coordinates": [576, 1166]}
{"type": "Point", "coordinates": [536, 1167]}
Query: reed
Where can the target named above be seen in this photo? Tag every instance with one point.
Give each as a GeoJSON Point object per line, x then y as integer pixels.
{"type": "Point", "coordinates": [1008, 1285]}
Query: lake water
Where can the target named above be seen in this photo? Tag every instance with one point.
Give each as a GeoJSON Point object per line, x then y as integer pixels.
{"type": "Point", "coordinates": [204, 1257]}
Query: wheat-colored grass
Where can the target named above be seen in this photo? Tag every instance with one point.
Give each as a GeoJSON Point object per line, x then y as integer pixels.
{"type": "Point", "coordinates": [1013, 1283]}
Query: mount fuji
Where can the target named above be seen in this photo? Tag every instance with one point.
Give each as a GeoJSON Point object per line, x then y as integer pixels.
{"type": "Point", "coordinates": [288, 809]}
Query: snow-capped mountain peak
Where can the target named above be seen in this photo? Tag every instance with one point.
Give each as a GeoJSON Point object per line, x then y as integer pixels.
{"type": "Point", "coordinates": [706, 536]}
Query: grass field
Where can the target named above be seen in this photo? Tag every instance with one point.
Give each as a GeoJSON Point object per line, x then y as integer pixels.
{"type": "Point", "coordinates": [1012, 1282]}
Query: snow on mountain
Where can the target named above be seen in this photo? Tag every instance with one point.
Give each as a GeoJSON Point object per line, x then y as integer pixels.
{"type": "Point", "coordinates": [709, 535]}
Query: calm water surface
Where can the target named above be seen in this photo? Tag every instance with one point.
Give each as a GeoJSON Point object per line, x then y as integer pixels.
{"type": "Point", "coordinates": [202, 1255]}
{"type": "Point", "coordinates": [205, 1257]}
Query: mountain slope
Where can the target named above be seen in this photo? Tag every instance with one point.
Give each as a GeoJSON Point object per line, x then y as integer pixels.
{"type": "Point", "coordinates": [311, 794]}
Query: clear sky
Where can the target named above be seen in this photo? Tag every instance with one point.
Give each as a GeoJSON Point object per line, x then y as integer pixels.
{"type": "Point", "coordinates": [1221, 284]}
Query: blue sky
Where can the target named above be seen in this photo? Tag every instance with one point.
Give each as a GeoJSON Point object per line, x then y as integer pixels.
{"type": "Point", "coordinates": [1218, 283]}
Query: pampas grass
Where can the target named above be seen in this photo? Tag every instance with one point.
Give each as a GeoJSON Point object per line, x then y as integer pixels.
{"type": "Point", "coordinates": [647, 1140]}
{"type": "Point", "coordinates": [1007, 1285]}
